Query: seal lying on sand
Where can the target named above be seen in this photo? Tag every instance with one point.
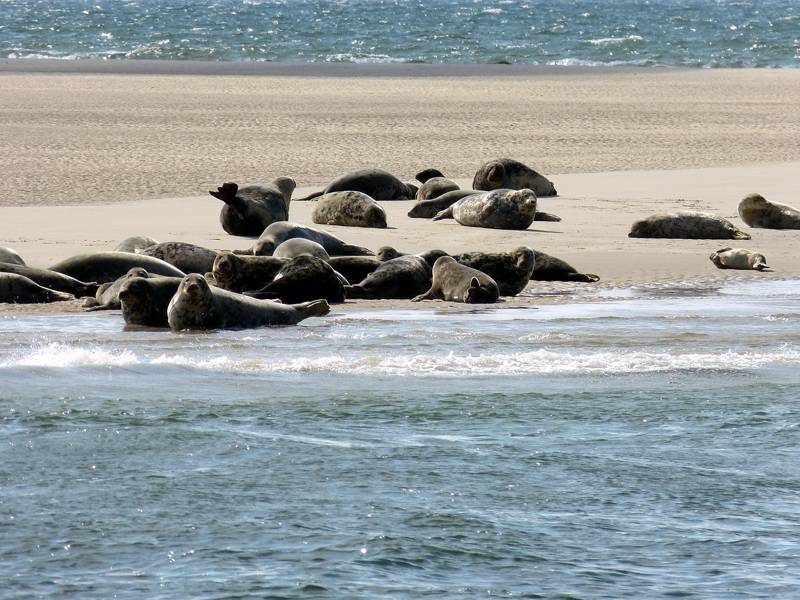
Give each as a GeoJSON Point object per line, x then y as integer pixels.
{"type": "Point", "coordinates": [301, 279]}
{"type": "Point", "coordinates": [498, 209]}
{"type": "Point", "coordinates": [7, 255]}
{"type": "Point", "coordinates": [104, 267]}
{"type": "Point", "coordinates": [512, 174]}
{"type": "Point", "coordinates": [239, 273]}
{"type": "Point", "coordinates": [279, 232]}
{"type": "Point", "coordinates": [403, 277]}
{"type": "Point", "coordinates": [351, 209]}
{"type": "Point", "coordinates": [550, 268]}
{"type": "Point", "coordinates": [52, 279]}
{"type": "Point", "coordinates": [198, 306]}
{"type": "Point", "coordinates": [455, 282]}
{"type": "Point", "coordinates": [183, 256]}
{"type": "Point", "coordinates": [18, 289]}
{"type": "Point", "coordinates": [249, 210]}
{"type": "Point", "coordinates": [354, 268]}
{"type": "Point", "coordinates": [738, 258]}
{"type": "Point", "coordinates": [298, 247]}
{"type": "Point", "coordinates": [375, 183]}
{"type": "Point", "coordinates": [144, 301]}
{"type": "Point", "coordinates": [511, 271]}
{"type": "Point", "coordinates": [688, 226]}
{"type": "Point", "coordinates": [427, 209]}
{"type": "Point", "coordinates": [757, 211]}
{"type": "Point", "coordinates": [107, 297]}
{"type": "Point", "coordinates": [135, 243]}
{"type": "Point", "coordinates": [434, 184]}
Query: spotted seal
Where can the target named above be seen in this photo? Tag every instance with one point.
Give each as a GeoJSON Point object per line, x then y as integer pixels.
{"type": "Point", "coordinates": [249, 210]}
{"type": "Point", "coordinates": [498, 209]}
{"type": "Point", "coordinates": [7, 255]}
{"type": "Point", "coordinates": [298, 247]}
{"type": "Point", "coordinates": [551, 268]}
{"type": "Point", "coordinates": [375, 183]}
{"type": "Point", "coordinates": [511, 271]}
{"type": "Point", "coordinates": [18, 289]}
{"type": "Point", "coordinates": [135, 243]}
{"type": "Point", "coordinates": [107, 297]}
{"type": "Point", "coordinates": [196, 305]}
{"type": "Point", "coordinates": [687, 225]}
{"type": "Point", "coordinates": [354, 268]}
{"type": "Point", "coordinates": [738, 258]}
{"type": "Point", "coordinates": [281, 231]}
{"type": "Point", "coordinates": [186, 257]}
{"type": "Point", "coordinates": [304, 278]}
{"type": "Point", "coordinates": [455, 282]}
{"type": "Point", "coordinates": [351, 209]}
{"type": "Point", "coordinates": [757, 211]}
{"type": "Point", "coordinates": [144, 301]}
{"type": "Point", "coordinates": [506, 173]}
{"type": "Point", "coordinates": [53, 280]}
{"type": "Point", "coordinates": [239, 273]}
{"type": "Point", "coordinates": [104, 267]}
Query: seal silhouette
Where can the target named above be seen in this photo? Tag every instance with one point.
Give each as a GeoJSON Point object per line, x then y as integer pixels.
{"type": "Point", "coordinates": [498, 209]}
{"type": "Point", "coordinates": [144, 301]}
{"type": "Point", "coordinates": [350, 209]}
{"type": "Point", "coordinates": [511, 174]}
{"type": "Point", "coordinates": [687, 225]}
{"type": "Point", "coordinates": [757, 211]}
{"type": "Point", "coordinates": [302, 279]}
{"type": "Point", "coordinates": [375, 183]}
{"type": "Point", "coordinates": [249, 210]}
{"type": "Point", "coordinates": [511, 271]}
{"type": "Point", "coordinates": [455, 282]}
{"type": "Point", "coordinates": [18, 289]}
{"type": "Point", "coordinates": [281, 231]}
{"type": "Point", "coordinates": [237, 273]}
{"type": "Point", "coordinates": [738, 258]}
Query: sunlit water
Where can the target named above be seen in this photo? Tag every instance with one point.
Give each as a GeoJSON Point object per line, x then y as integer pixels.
{"type": "Point", "coordinates": [641, 444]}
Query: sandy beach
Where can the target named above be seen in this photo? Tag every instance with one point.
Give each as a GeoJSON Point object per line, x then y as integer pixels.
{"type": "Point", "coordinates": [93, 156]}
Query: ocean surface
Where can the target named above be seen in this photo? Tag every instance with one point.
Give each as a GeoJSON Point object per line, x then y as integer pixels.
{"type": "Point", "coordinates": [685, 33]}
{"type": "Point", "coordinates": [633, 443]}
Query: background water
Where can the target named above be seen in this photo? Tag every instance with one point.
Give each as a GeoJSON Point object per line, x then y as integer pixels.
{"type": "Point", "coordinates": [690, 33]}
{"type": "Point", "coordinates": [641, 445]}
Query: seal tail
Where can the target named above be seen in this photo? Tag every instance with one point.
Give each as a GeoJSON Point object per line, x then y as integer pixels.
{"type": "Point", "coordinates": [315, 308]}
{"type": "Point", "coordinates": [310, 196]}
{"type": "Point", "coordinates": [227, 193]}
{"type": "Point", "coordinates": [447, 213]}
{"type": "Point", "coordinates": [349, 250]}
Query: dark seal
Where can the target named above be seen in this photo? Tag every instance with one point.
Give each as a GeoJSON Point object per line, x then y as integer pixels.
{"type": "Point", "coordinates": [240, 273]}
{"type": "Point", "coordinates": [302, 279]}
{"type": "Point", "coordinates": [144, 301]}
{"type": "Point", "coordinates": [375, 183]}
{"type": "Point", "coordinates": [104, 267]}
{"type": "Point", "coordinates": [18, 289]}
{"type": "Point", "coordinates": [277, 233]}
{"type": "Point", "coordinates": [510, 270]}
{"type": "Point", "coordinates": [249, 210]}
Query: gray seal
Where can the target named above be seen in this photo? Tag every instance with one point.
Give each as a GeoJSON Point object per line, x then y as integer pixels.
{"type": "Point", "coordinates": [249, 210]}
{"type": "Point", "coordinates": [183, 256]}
{"type": "Point", "coordinates": [52, 279]}
{"type": "Point", "coordinates": [375, 183]}
{"type": "Point", "coordinates": [435, 187]}
{"type": "Point", "coordinates": [354, 268]}
{"type": "Point", "coordinates": [738, 258]}
{"type": "Point", "coordinates": [279, 232]}
{"type": "Point", "coordinates": [302, 279]}
{"type": "Point", "coordinates": [455, 282]}
{"type": "Point", "coordinates": [498, 209]}
{"type": "Point", "coordinates": [550, 268]}
{"type": "Point", "coordinates": [135, 243]}
{"type": "Point", "coordinates": [506, 173]}
{"type": "Point", "coordinates": [350, 209]}
{"type": "Point", "coordinates": [7, 255]}
{"type": "Point", "coordinates": [427, 209]}
{"type": "Point", "coordinates": [237, 273]}
{"type": "Point", "coordinates": [144, 301]}
{"type": "Point", "coordinates": [107, 297]}
{"type": "Point", "coordinates": [298, 247]}
{"type": "Point", "coordinates": [18, 289]}
{"type": "Point", "coordinates": [688, 226]}
{"type": "Point", "coordinates": [757, 211]}
{"type": "Point", "coordinates": [196, 305]}
{"type": "Point", "coordinates": [510, 270]}
{"type": "Point", "coordinates": [104, 267]}
{"type": "Point", "coordinates": [403, 277]}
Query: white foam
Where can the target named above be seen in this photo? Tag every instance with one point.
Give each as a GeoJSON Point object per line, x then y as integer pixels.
{"type": "Point", "coordinates": [616, 40]}
{"type": "Point", "coordinates": [57, 355]}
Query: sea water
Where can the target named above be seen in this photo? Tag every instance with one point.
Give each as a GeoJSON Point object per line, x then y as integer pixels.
{"type": "Point", "coordinates": [687, 33]}
{"type": "Point", "coordinates": [636, 443]}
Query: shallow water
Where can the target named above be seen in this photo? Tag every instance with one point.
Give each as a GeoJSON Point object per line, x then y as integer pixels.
{"type": "Point", "coordinates": [643, 446]}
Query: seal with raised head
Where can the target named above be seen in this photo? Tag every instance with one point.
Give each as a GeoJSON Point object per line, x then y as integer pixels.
{"type": "Point", "coordinates": [738, 258]}
{"type": "Point", "coordinates": [18, 289]}
{"type": "Point", "coordinates": [498, 209]}
{"type": "Point", "coordinates": [189, 258]}
{"type": "Point", "coordinates": [455, 282]}
{"type": "Point", "coordinates": [511, 271]}
{"type": "Point", "coordinates": [196, 305]}
{"type": "Point", "coordinates": [104, 267]}
{"type": "Point", "coordinates": [375, 183]}
{"type": "Point", "coordinates": [506, 173]}
{"type": "Point", "coordinates": [757, 211]}
{"type": "Point", "coordinates": [52, 279]}
{"type": "Point", "coordinates": [7, 255]}
{"type": "Point", "coordinates": [687, 225]}
{"type": "Point", "coordinates": [239, 273]}
{"type": "Point", "coordinates": [279, 232]}
{"type": "Point", "coordinates": [301, 279]}
{"type": "Point", "coordinates": [354, 268]}
{"type": "Point", "coordinates": [551, 268]}
{"type": "Point", "coordinates": [144, 301]}
{"type": "Point", "coordinates": [249, 210]}
{"type": "Point", "coordinates": [403, 277]}
{"type": "Point", "coordinates": [107, 297]}
{"type": "Point", "coordinates": [298, 247]}
{"type": "Point", "coordinates": [351, 209]}
{"type": "Point", "coordinates": [135, 243]}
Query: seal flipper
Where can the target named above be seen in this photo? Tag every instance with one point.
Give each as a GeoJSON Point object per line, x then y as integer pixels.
{"type": "Point", "coordinates": [429, 295]}
{"type": "Point", "coordinates": [227, 193]}
{"type": "Point", "coordinates": [543, 216]}
{"type": "Point", "coordinates": [315, 308]}
{"type": "Point", "coordinates": [447, 213]}
{"type": "Point", "coordinates": [310, 196]}
{"type": "Point", "coordinates": [583, 277]}
{"type": "Point", "coordinates": [356, 292]}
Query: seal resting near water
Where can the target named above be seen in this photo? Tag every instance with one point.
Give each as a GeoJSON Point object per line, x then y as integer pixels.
{"type": "Point", "coordinates": [198, 306]}
{"type": "Point", "coordinates": [403, 278]}
{"type": "Point", "coordinates": [186, 257]}
{"type": "Point", "coordinates": [551, 268]}
{"type": "Point", "coordinates": [738, 258]}
{"type": "Point", "coordinates": [757, 211]}
{"type": "Point", "coordinates": [279, 232]}
{"type": "Point", "coordinates": [299, 246]}
{"type": "Point", "coordinates": [301, 279]}
{"type": "Point", "coordinates": [7, 255]}
{"type": "Point", "coordinates": [455, 282]}
{"type": "Point", "coordinates": [686, 225]}
{"type": "Point", "coordinates": [511, 271]}
{"type": "Point", "coordinates": [18, 289]}
{"type": "Point", "coordinates": [498, 209]}
{"type": "Point", "coordinates": [104, 267]}
{"type": "Point", "coordinates": [107, 297]}
{"type": "Point", "coordinates": [350, 209]}
{"type": "Point", "coordinates": [144, 301]}
{"type": "Point", "coordinates": [250, 209]}
{"type": "Point", "coordinates": [135, 243]}
{"type": "Point", "coordinates": [511, 174]}
{"type": "Point", "coordinates": [375, 183]}
{"type": "Point", "coordinates": [52, 279]}
{"type": "Point", "coordinates": [237, 273]}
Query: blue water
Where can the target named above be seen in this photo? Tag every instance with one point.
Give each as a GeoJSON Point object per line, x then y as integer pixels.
{"type": "Point", "coordinates": [688, 33]}
{"type": "Point", "coordinates": [637, 443]}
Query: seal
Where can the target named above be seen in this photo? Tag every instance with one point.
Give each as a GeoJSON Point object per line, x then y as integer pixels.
{"type": "Point", "coordinates": [688, 226]}
{"type": "Point", "coordinates": [183, 256]}
{"type": "Point", "coordinates": [351, 209]}
{"type": "Point", "coordinates": [299, 246]}
{"type": "Point", "coordinates": [757, 211]}
{"type": "Point", "coordinates": [104, 267]}
{"type": "Point", "coordinates": [427, 174]}
{"type": "Point", "coordinates": [249, 210]}
{"type": "Point", "coordinates": [354, 268]}
{"type": "Point", "coordinates": [427, 209]}
{"type": "Point", "coordinates": [498, 209]}
{"type": "Point", "coordinates": [738, 258]}
{"type": "Point", "coordinates": [455, 282]}
{"type": "Point", "coordinates": [135, 243]}
{"type": "Point", "coordinates": [506, 173]}
{"type": "Point", "coordinates": [403, 277]}
{"type": "Point", "coordinates": [7, 255]}
{"type": "Point", "coordinates": [107, 297]}
{"type": "Point", "coordinates": [277, 233]}
{"type": "Point", "coordinates": [52, 279]}
{"type": "Point", "coordinates": [375, 183]}
{"type": "Point", "coordinates": [550, 268]}
{"type": "Point", "coordinates": [237, 273]}
{"type": "Point", "coordinates": [304, 278]}
{"type": "Point", "coordinates": [144, 301]}
{"type": "Point", "coordinates": [18, 289]}
{"type": "Point", "coordinates": [386, 253]}
{"type": "Point", "coordinates": [196, 305]}
{"type": "Point", "coordinates": [433, 186]}
{"type": "Point", "coordinates": [511, 271]}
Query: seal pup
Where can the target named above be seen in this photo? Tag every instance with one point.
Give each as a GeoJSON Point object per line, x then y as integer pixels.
{"type": "Point", "coordinates": [196, 305]}
{"type": "Point", "coordinates": [237, 273]}
{"type": "Point", "coordinates": [403, 277]}
{"type": "Point", "coordinates": [144, 301]}
{"type": "Point", "coordinates": [104, 267]}
{"type": "Point", "coordinates": [455, 282]}
{"type": "Point", "coordinates": [250, 209]}
{"type": "Point", "coordinates": [498, 209]}
{"type": "Point", "coordinates": [183, 256]}
{"type": "Point", "coordinates": [299, 246]}
{"type": "Point", "coordinates": [7, 255]}
{"type": "Point", "coordinates": [687, 225]}
{"type": "Point", "coordinates": [550, 268]}
{"type": "Point", "coordinates": [351, 209]}
{"type": "Point", "coordinates": [506, 173]}
{"type": "Point", "coordinates": [738, 258]}
{"type": "Point", "coordinates": [279, 232]}
{"type": "Point", "coordinates": [511, 271]}
{"type": "Point", "coordinates": [757, 211]}
{"type": "Point", "coordinates": [135, 243]}
{"type": "Point", "coordinates": [107, 297]}
{"type": "Point", "coordinates": [375, 183]}
{"type": "Point", "coordinates": [301, 279]}
{"type": "Point", "coordinates": [354, 268]}
{"type": "Point", "coordinates": [52, 279]}
{"type": "Point", "coordinates": [18, 289]}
